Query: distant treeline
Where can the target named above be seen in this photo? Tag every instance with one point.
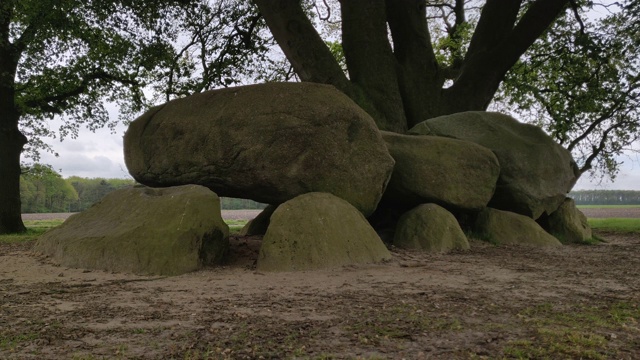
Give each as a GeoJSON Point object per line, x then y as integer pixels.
{"type": "Point", "coordinates": [43, 190]}
{"type": "Point", "coordinates": [606, 197]}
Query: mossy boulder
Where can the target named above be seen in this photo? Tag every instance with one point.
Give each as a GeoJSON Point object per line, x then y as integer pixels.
{"type": "Point", "coordinates": [536, 173]}
{"type": "Point", "coordinates": [318, 231]}
{"type": "Point", "coordinates": [431, 228]}
{"type": "Point", "coordinates": [429, 169]}
{"type": "Point", "coordinates": [567, 224]}
{"type": "Point", "coordinates": [259, 224]}
{"type": "Point", "coordinates": [142, 230]}
{"type": "Point", "coordinates": [268, 142]}
{"type": "Point", "coordinates": [507, 228]}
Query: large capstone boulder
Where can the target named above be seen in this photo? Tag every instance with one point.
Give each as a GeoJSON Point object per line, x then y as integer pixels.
{"type": "Point", "coordinates": [507, 228]}
{"type": "Point", "coordinates": [318, 231]}
{"type": "Point", "coordinates": [535, 172]}
{"type": "Point", "coordinates": [141, 230]}
{"type": "Point", "coordinates": [429, 169]}
{"type": "Point", "coordinates": [431, 228]}
{"type": "Point", "coordinates": [567, 224]}
{"type": "Point", "coordinates": [268, 142]}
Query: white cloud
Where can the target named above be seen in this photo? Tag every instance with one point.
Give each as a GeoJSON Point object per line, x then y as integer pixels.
{"type": "Point", "coordinates": [627, 179]}
{"type": "Point", "coordinates": [91, 155]}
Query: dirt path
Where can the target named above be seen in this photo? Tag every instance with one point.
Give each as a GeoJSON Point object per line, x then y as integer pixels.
{"type": "Point", "coordinates": [490, 302]}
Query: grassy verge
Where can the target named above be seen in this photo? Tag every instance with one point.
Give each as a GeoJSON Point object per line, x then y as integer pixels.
{"type": "Point", "coordinates": [577, 332]}
{"type": "Point", "coordinates": [617, 225]}
{"type": "Point", "coordinates": [36, 228]}
{"type": "Point", "coordinates": [607, 206]}
{"type": "Point", "coordinates": [235, 225]}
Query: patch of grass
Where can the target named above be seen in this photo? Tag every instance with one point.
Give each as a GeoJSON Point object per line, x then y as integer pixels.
{"type": "Point", "coordinates": [579, 332]}
{"type": "Point", "coordinates": [618, 225]}
{"type": "Point", "coordinates": [43, 224]}
{"type": "Point", "coordinates": [30, 235]}
{"type": "Point", "coordinates": [11, 341]}
{"type": "Point", "coordinates": [35, 228]}
{"type": "Point", "coordinates": [235, 225]}
{"type": "Point", "coordinates": [395, 323]}
{"type": "Point", "coordinates": [607, 206]}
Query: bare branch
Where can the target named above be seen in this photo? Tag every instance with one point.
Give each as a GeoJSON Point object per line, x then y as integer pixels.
{"type": "Point", "coordinates": [575, 8]}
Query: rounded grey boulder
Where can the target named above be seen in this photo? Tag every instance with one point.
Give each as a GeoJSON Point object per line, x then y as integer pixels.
{"type": "Point", "coordinates": [507, 228]}
{"type": "Point", "coordinates": [452, 173]}
{"type": "Point", "coordinates": [141, 230]}
{"type": "Point", "coordinates": [536, 173]}
{"type": "Point", "coordinates": [430, 227]}
{"type": "Point", "coordinates": [568, 224]}
{"type": "Point", "coordinates": [268, 142]}
{"type": "Point", "coordinates": [318, 231]}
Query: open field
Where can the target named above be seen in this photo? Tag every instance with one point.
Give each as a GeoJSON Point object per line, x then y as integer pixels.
{"type": "Point", "coordinates": [631, 212]}
{"type": "Point", "coordinates": [487, 303]}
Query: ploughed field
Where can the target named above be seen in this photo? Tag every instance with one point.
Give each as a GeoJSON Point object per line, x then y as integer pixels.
{"type": "Point", "coordinates": [574, 301]}
{"type": "Point", "coordinates": [612, 212]}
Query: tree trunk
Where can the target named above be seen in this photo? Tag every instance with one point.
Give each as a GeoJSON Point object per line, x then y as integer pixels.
{"type": "Point", "coordinates": [11, 143]}
{"type": "Point", "coordinates": [402, 86]}
{"type": "Point", "coordinates": [11, 139]}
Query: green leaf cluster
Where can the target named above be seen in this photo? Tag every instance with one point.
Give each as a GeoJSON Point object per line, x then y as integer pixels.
{"type": "Point", "coordinates": [44, 190]}
{"type": "Point", "coordinates": [581, 86]}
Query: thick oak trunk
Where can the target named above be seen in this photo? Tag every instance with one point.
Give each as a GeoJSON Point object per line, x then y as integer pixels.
{"type": "Point", "coordinates": [401, 83]}
{"type": "Point", "coordinates": [11, 143]}
{"type": "Point", "coordinates": [11, 139]}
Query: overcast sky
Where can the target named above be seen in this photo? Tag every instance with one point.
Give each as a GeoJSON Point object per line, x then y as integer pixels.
{"type": "Point", "coordinates": [100, 154]}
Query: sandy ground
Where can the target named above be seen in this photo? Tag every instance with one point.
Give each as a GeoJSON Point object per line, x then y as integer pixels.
{"type": "Point", "coordinates": [489, 302]}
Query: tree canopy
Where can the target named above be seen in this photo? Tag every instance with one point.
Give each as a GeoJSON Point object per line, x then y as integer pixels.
{"type": "Point", "coordinates": [64, 58]}
{"type": "Point", "coordinates": [579, 82]}
{"type": "Point", "coordinates": [67, 58]}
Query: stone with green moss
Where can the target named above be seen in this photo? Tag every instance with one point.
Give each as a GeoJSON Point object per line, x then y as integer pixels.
{"type": "Point", "coordinates": [429, 169]}
{"type": "Point", "coordinates": [568, 224]}
{"type": "Point", "coordinates": [140, 230]}
{"type": "Point", "coordinates": [431, 228]}
{"type": "Point", "coordinates": [268, 142]}
{"type": "Point", "coordinates": [536, 173]}
{"type": "Point", "coordinates": [318, 231]}
{"type": "Point", "coordinates": [507, 228]}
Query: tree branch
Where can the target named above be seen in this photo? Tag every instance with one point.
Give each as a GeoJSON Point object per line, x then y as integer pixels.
{"type": "Point", "coordinates": [302, 44]}
{"type": "Point", "coordinates": [56, 104]}
{"type": "Point", "coordinates": [575, 7]}
{"type": "Point", "coordinates": [370, 60]}
{"type": "Point", "coordinates": [496, 23]}
{"type": "Point", "coordinates": [420, 76]}
{"type": "Point", "coordinates": [496, 46]}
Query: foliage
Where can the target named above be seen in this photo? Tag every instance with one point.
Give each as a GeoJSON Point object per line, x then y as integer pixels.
{"type": "Point", "coordinates": [44, 190]}
{"type": "Point", "coordinates": [239, 204]}
{"type": "Point", "coordinates": [606, 197]}
{"type": "Point", "coordinates": [216, 44]}
{"type": "Point", "coordinates": [93, 190]}
{"type": "Point", "coordinates": [75, 55]}
{"type": "Point", "coordinates": [580, 84]}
